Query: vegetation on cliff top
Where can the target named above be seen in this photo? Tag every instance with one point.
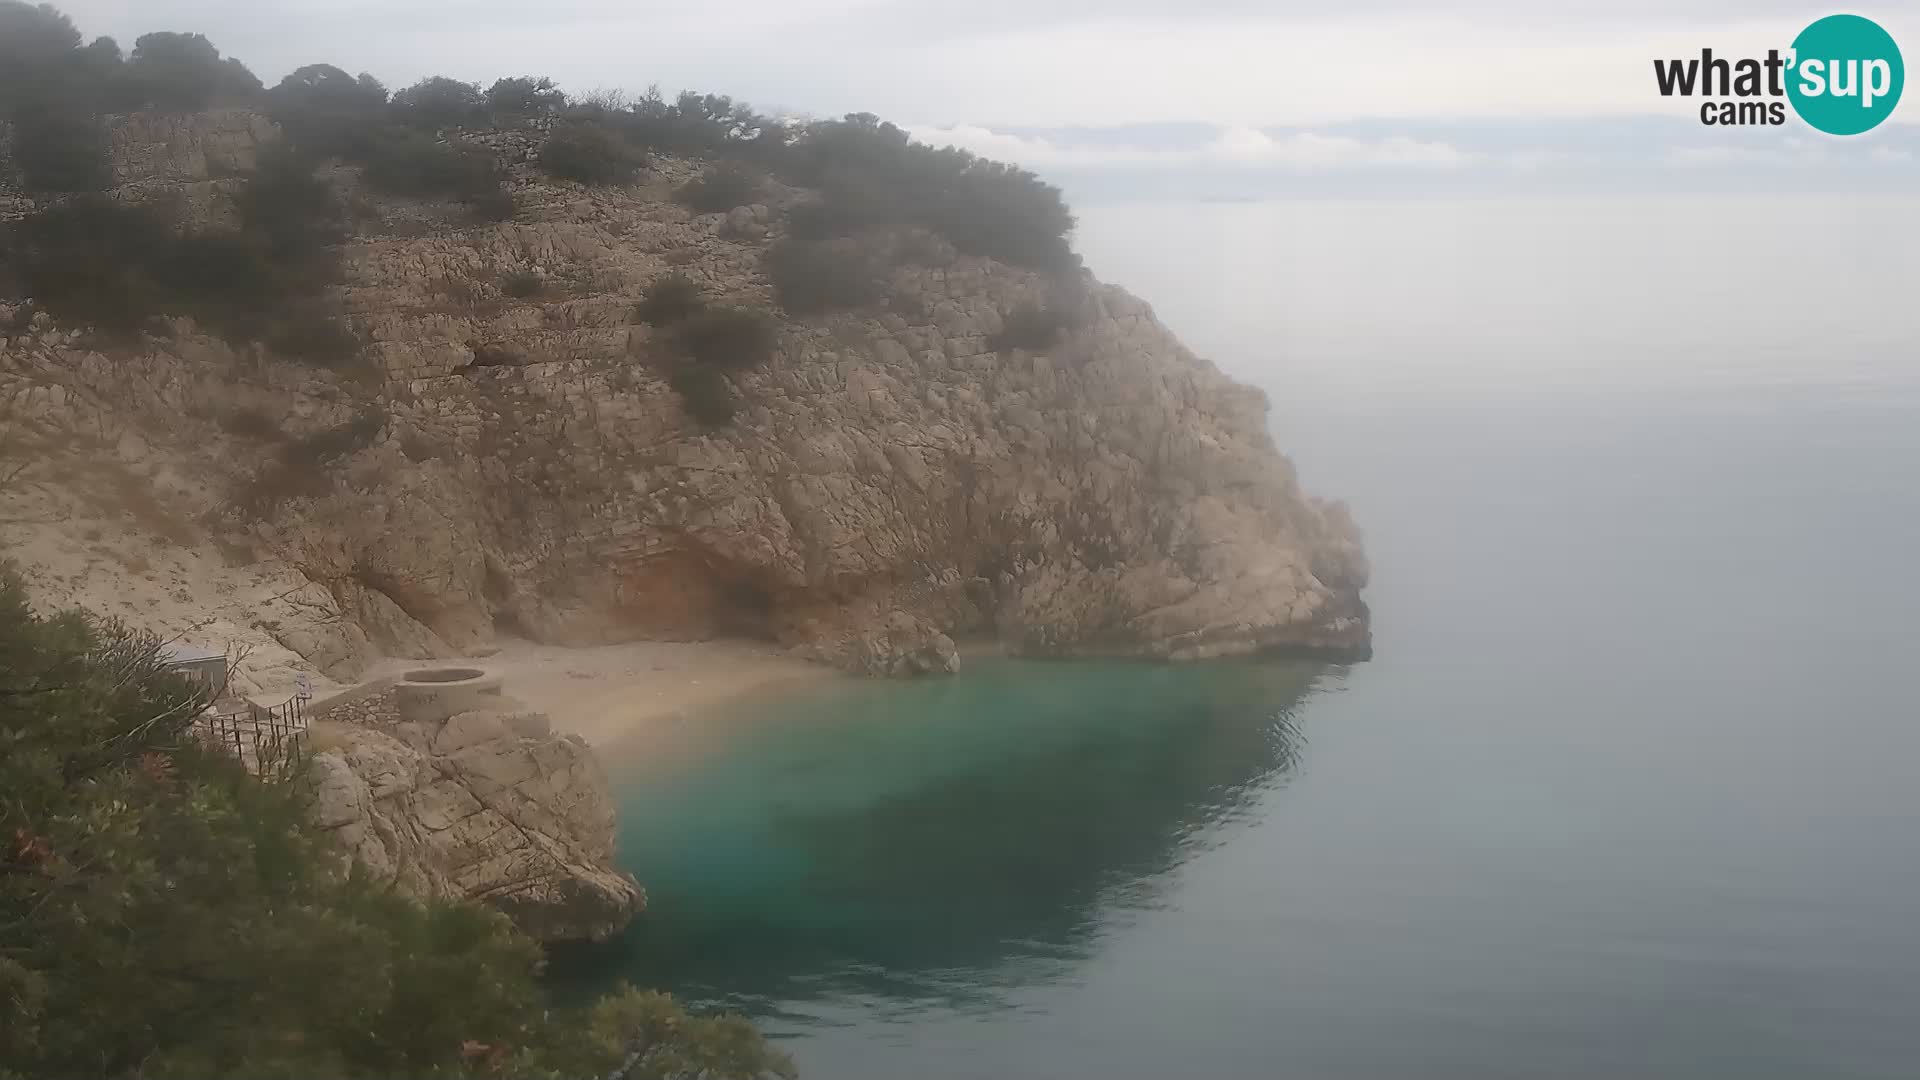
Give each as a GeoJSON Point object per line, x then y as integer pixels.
{"type": "Point", "coordinates": [268, 276]}
{"type": "Point", "coordinates": [163, 913]}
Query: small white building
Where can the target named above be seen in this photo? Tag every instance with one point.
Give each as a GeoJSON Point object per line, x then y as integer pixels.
{"type": "Point", "coordinates": [204, 666]}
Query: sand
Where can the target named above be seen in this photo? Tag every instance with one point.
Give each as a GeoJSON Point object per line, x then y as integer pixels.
{"type": "Point", "coordinates": [615, 694]}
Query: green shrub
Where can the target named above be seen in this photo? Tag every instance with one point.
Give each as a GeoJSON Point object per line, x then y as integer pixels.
{"type": "Point", "coordinates": [494, 205]}
{"type": "Point", "coordinates": [522, 284]}
{"type": "Point", "coordinates": [255, 424]}
{"type": "Point", "coordinates": [872, 173]}
{"type": "Point", "coordinates": [292, 211]}
{"type": "Point", "coordinates": [1031, 326]}
{"type": "Point", "coordinates": [326, 112]}
{"type": "Point", "coordinates": [91, 261]}
{"type": "Point", "coordinates": [526, 95]}
{"type": "Point", "coordinates": [185, 72]}
{"type": "Point", "coordinates": [590, 153]}
{"type": "Point", "coordinates": [59, 148]}
{"type": "Point", "coordinates": [37, 45]}
{"type": "Point", "coordinates": [402, 162]}
{"type": "Point", "coordinates": [702, 125]}
{"type": "Point", "coordinates": [705, 394]}
{"type": "Point", "coordinates": [439, 102]}
{"type": "Point", "coordinates": [820, 276]}
{"type": "Point", "coordinates": [163, 913]}
{"type": "Point", "coordinates": [669, 300]}
{"type": "Point", "coordinates": [728, 338]}
{"type": "Point", "coordinates": [94, 261]}
{"type": "Point", "coordinates": [721, 187]}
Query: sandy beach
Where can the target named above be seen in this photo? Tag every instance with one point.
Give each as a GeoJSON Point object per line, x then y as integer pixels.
{"type": "Point", "coordinates": [609, 694]}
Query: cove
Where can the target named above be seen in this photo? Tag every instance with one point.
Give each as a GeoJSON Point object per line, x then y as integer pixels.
{"type": "Point", "coordinates": [931, 843]}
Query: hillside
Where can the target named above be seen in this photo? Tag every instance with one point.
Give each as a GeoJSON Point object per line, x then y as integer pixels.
{"type": "Point", "coordinates": [605, 371]}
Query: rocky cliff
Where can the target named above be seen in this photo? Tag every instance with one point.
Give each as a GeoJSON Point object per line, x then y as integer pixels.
{"type": "Point", "coordinates": [485, 803]}
{"type": "Point", "coordinates": [518, 462]}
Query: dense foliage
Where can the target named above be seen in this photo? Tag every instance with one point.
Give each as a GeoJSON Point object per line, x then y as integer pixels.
{"type": "Point", "coordinates": [871, 173]}
{"type": "Point", "coordinates": [814, 276]}
{"type": "Point", "coordinates": [1032, 326]}
{"type": "Point", "coordinates": [91, 260]}
{"type": "Point", "coordinates": [163, 913]}
{"type": "Point", "coordinates": [439, 102]}
{"type": "Point", "coordinates": [524, 95]}
{"type": "Point", "coordinates": [721, 187]}
{"type": "Point", "coordinates": [705, 342]}
{"type": "Point", "coordinates": [669, 300]}
{"type": "Point", "coordinates": [705, 393]}
{"type": "Point", "coordinates": [263, 281]}
{"type": "Point", "coordinates": [591, 154]}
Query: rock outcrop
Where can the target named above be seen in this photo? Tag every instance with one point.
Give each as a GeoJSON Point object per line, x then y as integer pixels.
{"type": "Point", "coordinates": [891, 482]}
{"type": "Point", "coordinates": [486, 804]}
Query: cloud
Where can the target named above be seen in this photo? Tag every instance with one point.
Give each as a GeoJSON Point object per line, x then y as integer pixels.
{"type": "Point", "coordinates": [1232, 147]}
{"type": "Point", "coordinates": [1309, 150]}
{"type": "Point", "coordinates": [1305, 64]}
{"type": "Point", "coordinates": [1789, 150]}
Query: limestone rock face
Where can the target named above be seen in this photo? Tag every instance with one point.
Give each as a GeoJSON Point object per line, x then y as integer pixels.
{"type": "Point", "coordinates": [485, 805]}
{"type": "Point", "coordinates": [172, 147]}
{"type": "Point", "coordinates": [891, 481]}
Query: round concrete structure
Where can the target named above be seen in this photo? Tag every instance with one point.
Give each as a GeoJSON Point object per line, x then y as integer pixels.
{"type": "Point", "coordinates": [431, 695]}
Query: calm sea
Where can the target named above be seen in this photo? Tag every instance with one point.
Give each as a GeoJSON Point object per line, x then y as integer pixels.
{"type": "Point", "coordinates": [1632, 788]}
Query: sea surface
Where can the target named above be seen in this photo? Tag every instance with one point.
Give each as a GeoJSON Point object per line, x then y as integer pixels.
{"type": "Point", "coordinates": [1632, 787]}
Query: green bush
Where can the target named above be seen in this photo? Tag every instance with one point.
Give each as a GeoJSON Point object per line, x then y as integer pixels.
{"type": "Point", "coordinates": [301, 469]}
{"type": "Point", "coordinates": [820, 276]}
{"type": "Point", "coordinates": [37, 47]}
{"type": "Point", "coordinates": [255, 424]}
{"type": "Point", "coordinates": [523, 284]}
{"type": "Point", "coordinates": [52, 91]}
{"type": "Point", "coordinates": [702, 125]}
{"type": "Point", "coordinates": [526, 95]}
{"type": "Point", "coordinates": [293, 212]}
{"type": "Point", "coordinates": [590, 153]}
{"type": "Point", "coordinates": [163, 913]}
{"type": "Point", "coordinates": [185, 72]}
{"type": "Point", "coordinates": [439, 102]}
{"type": "Point", "coordinates": [59, 148]}
{"type": "Point", "coordinates": [91, 261]}
{"type": "Point", "coordinates": [94, 261]}
{"type": "Point", "coordinates": [728, 338]}
{"type": "Point", "coordinates": [494, 205]}
{"type": "Point", "coordinates": [326, 112]}
{"type": "Point", "coordinates": [669, 300]}
{"type": "Point", "coordinates": [872, 173]}
{"type": "Point", "coordinates": [705, 394]}
{"type": "Point", "coordinates": [721, 187]}
{"type": "Point", "coordinates": [402, 162]}
{"type": "Point", "coordinates": [1031, 326]}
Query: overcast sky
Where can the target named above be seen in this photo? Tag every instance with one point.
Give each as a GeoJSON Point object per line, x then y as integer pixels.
{"type": "Point", "coordinates": [1132, 88]}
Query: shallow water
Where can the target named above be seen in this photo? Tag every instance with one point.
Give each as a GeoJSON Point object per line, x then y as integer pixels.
{"type": "Point", "coordinates": [1628, 790]}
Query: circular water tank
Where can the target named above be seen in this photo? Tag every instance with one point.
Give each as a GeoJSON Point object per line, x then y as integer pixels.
{"type": "Point", "coordinates": [431, 695]}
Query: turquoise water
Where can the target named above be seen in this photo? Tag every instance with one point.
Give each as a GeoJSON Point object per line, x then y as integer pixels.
{"type": "Point", "coordinates": [1629, 789]}
{"type": "Point", "coordinates": [937, 843]}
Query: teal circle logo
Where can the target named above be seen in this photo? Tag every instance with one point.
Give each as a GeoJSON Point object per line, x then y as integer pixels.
{"type": "Point", "coordinates": [1846, 75]}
